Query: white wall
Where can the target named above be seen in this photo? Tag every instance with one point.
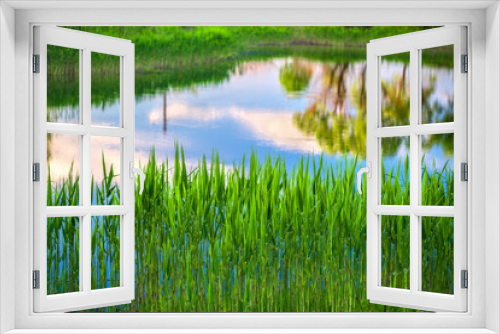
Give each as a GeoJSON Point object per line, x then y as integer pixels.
{"type": "Point", "coordinates": [7, 161]}
{"type": "Point", "coordinates": [257, 17]}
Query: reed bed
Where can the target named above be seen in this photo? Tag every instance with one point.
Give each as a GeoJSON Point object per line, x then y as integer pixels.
{"type": "Point", "coordinates": [252, 237]}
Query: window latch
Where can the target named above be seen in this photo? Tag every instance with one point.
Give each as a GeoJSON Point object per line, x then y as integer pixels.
{"type": "Point", "coordinates": [142, 177]}
{"type": "Point", "coordinates": [368, 170]}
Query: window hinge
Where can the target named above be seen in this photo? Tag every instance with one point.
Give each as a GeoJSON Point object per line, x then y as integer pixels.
{"type": "Point", "coordinates": [465, 64]}
{"type": "Point", "coordinates": [36, 172]}
{"type": "Point", "coordinates": [36, 279]}
{"type": "Point", "coordinates": [36, 63]}
{"type": "Point", "coordinates": [465, 279]}
{"type": "Point", "coordinates": [464, 171]}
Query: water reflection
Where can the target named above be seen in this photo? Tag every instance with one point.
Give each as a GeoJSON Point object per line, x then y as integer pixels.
{"type": "Point", "coordinates": [295, 76]}
{"type": "Point", "coordinates": [287, 105]}
{"type": "Point", "coordinates": [336, 114]}
{"type": "Point", "coordinates": [437, 86]}
{"type": "Point", "coordinates": [395, 89]}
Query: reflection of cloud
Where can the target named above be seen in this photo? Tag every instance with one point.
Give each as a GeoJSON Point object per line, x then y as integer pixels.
{"type": "Point", "coordinates": [443, 90]}
{"type": "Point", "coordinates": [403, 151]}
{"type": "Point", "coordinates": [64, 149]}
{"type": "Point", "coordinates": [110, 148]}
{"type": "Point", "coordinates": [178, 111]}
{"type": "Point", "coordinates": [436, 158]}
{"type": "Point", "coordinates": [275, 127]}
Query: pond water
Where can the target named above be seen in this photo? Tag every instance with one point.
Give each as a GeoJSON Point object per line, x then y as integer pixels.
{"type": "Point", "coordinates": [251, 110]}
{"type": "Point", "coordinates": [280, 105]}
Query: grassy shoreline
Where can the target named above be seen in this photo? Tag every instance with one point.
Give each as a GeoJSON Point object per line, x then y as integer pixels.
{"type": "Point", "coordinates": [159, 48]}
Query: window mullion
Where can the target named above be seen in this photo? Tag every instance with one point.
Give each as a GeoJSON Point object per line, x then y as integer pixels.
{"type": "Point", "coordinates": [420, 129]}
{"type": "Point", "coordinates": [86, 228]}
{"type": "Point", "coordinates": [435, 128]}
{"type": "Point", "coordinates": [415, 243]}
{"type": "Point", "coordinates": [393, 131]}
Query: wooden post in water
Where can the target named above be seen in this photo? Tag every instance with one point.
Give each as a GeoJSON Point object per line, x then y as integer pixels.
{"type": "Point", "coordinates": [165, 112]}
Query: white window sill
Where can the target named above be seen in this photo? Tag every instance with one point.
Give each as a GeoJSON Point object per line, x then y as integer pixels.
{"type": "Point", "coordinates": [250, 331]}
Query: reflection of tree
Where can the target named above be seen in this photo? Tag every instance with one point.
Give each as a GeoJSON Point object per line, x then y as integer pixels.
{"type": "Point", "coordinates": [395, 109]}
{"type": "Point", "coordinates": [295, 76]}
{"type": "Point", "coordinates": [339, 131]}
{"type": "Point", "coordinates": [327, 117]}
{"type": "Point", "coordinates": [49, 146]}
{"type": "Point", "coordinates": [392, 144]}
{"type": "Point", "coordinates": [435, 112]}
{"type": "Point", "coordinates": [336, 116]}
{"type": "Point", "coordinates": [165, 113]}
{"type": "Point", "coordinates": [443, 140]}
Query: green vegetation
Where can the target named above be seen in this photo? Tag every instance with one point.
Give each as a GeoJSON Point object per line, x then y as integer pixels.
{"type": "Point", "coordinates": [256, 236]}
{"type": "Point", "coordinates": [250, 238]}
{"type": "Point", "coordinates": [170, 47]}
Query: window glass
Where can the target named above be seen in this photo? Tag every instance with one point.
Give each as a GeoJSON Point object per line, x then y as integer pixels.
{"type": "Point", "coordinates": [63, 169]}
{"type": "Point", "coordinates": [63, 255]}
{"type": "Point", "coordinates": [437, 84]}
{"type": "Point", "coordinates": [395, 89]}
{"type": "Point", "coordinates": [63, 85]}
{"type": "Point", "coordinates": [395, 248]}
{"type": "Point", "coordinates": [105, 167]}
{"type": "Point", "coordinates": [395, 171]}
{"type": "Point", "coordinates": [437, 254]}
{"type": "Point", "coordinates": [105, 90]}
{"type": "Point", "coordinates": [438, 175]}
{"type": "Point", "coordinates": [105, 252]}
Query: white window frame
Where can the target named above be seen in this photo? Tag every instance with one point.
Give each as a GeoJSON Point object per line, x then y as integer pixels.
{"type": "Point", "coordinates": [481, 229]}
{"type": "Point", "coordinates": [413, 43]}
{"type": "Point", "coordinates": [85, 43]}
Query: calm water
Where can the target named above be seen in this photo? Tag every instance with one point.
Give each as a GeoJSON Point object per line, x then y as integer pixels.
{"type": "Point", "coordinates": [285, 106]}
{"type": "Point", "coordinates": [251, 110]}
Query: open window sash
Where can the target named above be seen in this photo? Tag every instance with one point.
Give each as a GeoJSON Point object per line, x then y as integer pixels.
{"type": "Point", "coordinates": [413, 295]}
{"type": "Point", "coordinates": [82, 294]}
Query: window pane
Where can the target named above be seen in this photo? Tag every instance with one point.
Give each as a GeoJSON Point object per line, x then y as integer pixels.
{"type": "Point", "coordinates": [395, 171]}
{"type": "Point", "coordinates": [63, 85]}
{"type": "Point", "coordinates": [437, 170]}
{"type": "Point", "coordinates": [395, 89]}
{"type": "Point", "coordinates": [437, 84]}
{"type": "Point", "coordinates": [106, 152]}
{"type": "Point", "coordinates": [63, 170]}
{"type": "Point", "coordinates": [105, 252]}
{"type": "Point", "coordinates": [63, 255]}
{"type": "Point", "coordinates": [395, 245]}
{"type": "Point", "coordinates": [437, 254]}
{"type": "Point", "coordinates": [105, 90]}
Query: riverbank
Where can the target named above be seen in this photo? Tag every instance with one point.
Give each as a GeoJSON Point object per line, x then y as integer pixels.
{"type": "Point", "coordinates": [174, 47]}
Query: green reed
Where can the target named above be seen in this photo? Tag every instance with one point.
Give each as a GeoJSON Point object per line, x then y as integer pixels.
{"type": "Point", "coordinates": [251, 237]}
